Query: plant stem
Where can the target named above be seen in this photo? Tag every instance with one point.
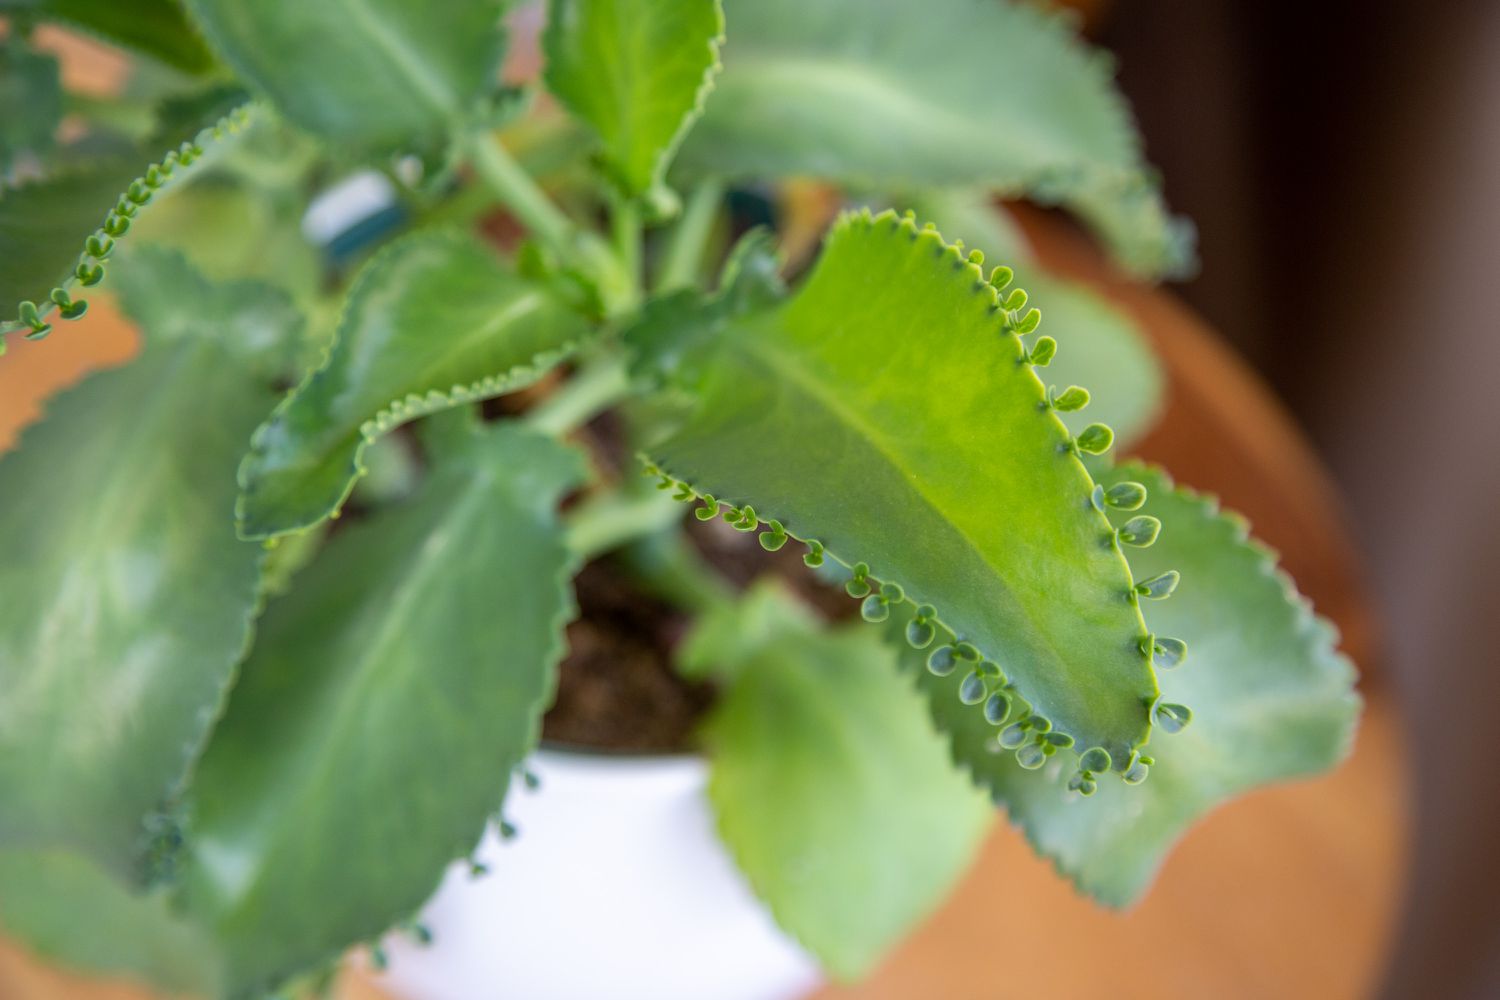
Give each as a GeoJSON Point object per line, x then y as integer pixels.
{"type": "Point", "coordinates": [670, 567]}
{"type": "Point", "coordinates": [684, 258]}
{"type": "Point", "coordinates": [597, 385]}
{"type": "Point", "coordinates": [521, 195]}
{"type": "Point", "coordinates": [609, 520]}
{"type": "Point", "coordinates": [625, 222]}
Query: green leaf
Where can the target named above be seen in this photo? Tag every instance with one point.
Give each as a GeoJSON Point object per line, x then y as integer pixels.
{"type": "Point", "coordinates": [30, 101]}
{"type": "Point", "coordinates": [376, 723]}
{"type": "Point", "coordinates": [125, 597]}
{"type": "Point", "coordinates": [1102, 347]}
{"type": "Point", "coordinates": [69, 912]}
{"type": "Point", "coordinates": [377, 75]}
{"type": "Point", "coordinates": [435, 320]}
{"type": "Point", "coordinates": [886, 94]}
{"type": "Point", "coordinates": [637, 71]}
{"type": "Point", "coordinates": [155, 28]}
{"type": "Point", "coordinates": [887, 413]}
{"type": "Point", "coordinates": [832, 791]}
{"type": "Point", "coordinates": [1271, 699]}
{"type": "Point", "coordinates": [56, 233]}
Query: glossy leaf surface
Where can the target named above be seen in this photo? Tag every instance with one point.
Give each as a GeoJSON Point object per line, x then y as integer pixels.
{"type": "Point", "coordinates": [637, 72]}
{"type": "Point", "coordinates": [832, 791]}
{"type": "Point", "coordinates": [880, 93]}
{"type": "Point", "coordinates": [375, 74]}
{"type": "Point", "coordinates": [959, 485]}
{"type": "Point", "coordinates": [125, 597]}
{"type": "Point", "coordinates": [376, 723]}
{"type": "Point", "coordinates": [1271, 699]}
{"type": "Point", "coordinates": [434, 321]}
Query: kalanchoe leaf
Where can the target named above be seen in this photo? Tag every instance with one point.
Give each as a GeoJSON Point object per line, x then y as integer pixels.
{"type": "Point", "coordinates": [1125, 496]}
{"type": "Point", "coordinates": [1140, 531]}
{"type": "Point", "coordinates": [433, 322]}
{"type": "Point", "coordinates": [437, 623]}
{"type": "Point", "coordinates": [636, 72]}
{"type": "Point", "coordinates": [1160, 586]}
{"type": "Point", "coordinates": [1168, 653]}
{"type": "Point", "coordinates": [1172, 718]}
{"type": "Point", "coordinates": [1264, 679]}
{"type": "Point", "coordinates": [863, 91]}
{"type": "Point", "coordinates": [876, 826]}
{"type": "Point", "coordinates": [156, 28]}
{"type": "Point", "coordinates": [31, 103]}
{"type": "Point", "coordinates": [971, 691]}
{"type": "Point", "coordinates": [1072, 398]}
{"type": "Point", "coordinates": [966, 498]}
{"type": "Point", "coordinates": [1042, 352]}
{"type": "Point", "coordinates": [996, 707]}
{"type": "Point", "coordinates": [1095, 439]}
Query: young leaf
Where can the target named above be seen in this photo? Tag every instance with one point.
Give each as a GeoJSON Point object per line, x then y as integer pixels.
{"type": "Point", "coordinates": [637, 72]}
{"type": "Point", "coordinates": [960, 92]}
{"type": "Point", "coordinates": [433, 321]}
{"type": "Point", "coordinates": [1101, 346]}
{"type": "Point", "coordinates": [154, 28]}
{"type": "Point", "coordinates": [57, 232]}
{"type": "Point", "coordinates": [832, 791]}
{"type": "Point", "coordinates": [116, 514]}
{"type": "Point", "coordinates": [69, 912]}
{"type": "Point", "coordinates": [30, 101]}
{"type": "Point", "coordinates": [1270, 696]}
{"type": "Point", "coordinates": [377, 75]}
{"type": "Point", "coordinates": [958, 485]}
{"type": "Point", "coordinates": [375, 725]}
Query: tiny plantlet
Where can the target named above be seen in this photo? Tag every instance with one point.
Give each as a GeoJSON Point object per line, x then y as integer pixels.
{"type": "Point", "coordinates": [238, 726]}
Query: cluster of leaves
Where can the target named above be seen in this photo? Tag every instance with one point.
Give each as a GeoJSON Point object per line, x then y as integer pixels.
{"type": "Point", "coordinates": [235, 741]}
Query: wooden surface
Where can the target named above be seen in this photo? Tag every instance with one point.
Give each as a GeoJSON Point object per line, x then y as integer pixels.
{"type": "Point", "coordinates": [1288, 893]}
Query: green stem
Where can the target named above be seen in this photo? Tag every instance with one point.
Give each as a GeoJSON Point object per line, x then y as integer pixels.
{"type": "Point", "coordinates": [609, 520]}
{"type": "Point", "coordinates": [684, 257]}
{"type": "Point", "coordinates": [521, 195]}
{"type": "Point", "coordinates": [597, 386]}
{"type": "Point", "coordinates": [625, 222]}
{"type": "Point", "coordinates": [670, 567]}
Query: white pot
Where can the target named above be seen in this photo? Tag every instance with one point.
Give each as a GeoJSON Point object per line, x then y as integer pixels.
{"type": "Point", "coordinates": [617, 888]}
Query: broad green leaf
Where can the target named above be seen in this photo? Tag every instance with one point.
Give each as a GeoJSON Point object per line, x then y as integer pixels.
{"type": "Point", "coordinates": [71, 913]}
{"type": "Point", "coordinates": [377, 75]}
{"type": "Point", "coordinates": [1271, 699]}
{"type": "Point", "coordinates": [57, 232]}
{"type": "Point", "coordinates": [832, 791]}
{"type": "Point", "coordinates": [887, 412]}
{"type": "Point", "coordinates": [896, 96]}
{"type": "Point", "coordinates": [30, 101]}
{"type": "Point", "coordinates": [376, 723]}
{"type": "Point", "coordinates": [1102, 348]}
{"type": "Point", "coordinates": [125, 598]}
{"type": "Point", "coordinates": [637, 72]}
{"type": "Point", "coordinates": [155, 28]}
{"type": "Point", "coordinates": [433, 321]}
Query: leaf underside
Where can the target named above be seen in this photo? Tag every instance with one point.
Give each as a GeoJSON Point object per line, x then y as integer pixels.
{"type": "Point", "coordinates": [116, 514]}
{"type": "Point", "coordinates": [961, 486]}
{"type": "Point", "coordinates": [637, 71]}
{"type": "Point", "coordinates": [434, 321]}
{"type": "Point", "coordinates": [375, 725]}
{"type": "Point", "coordinates": [378, 75]}
{"type": "Point", "coordinates": [1272, 699]}
{"type": "Point", "coordinates": [964, 93]}
{"type": "Point", "coordinates": [832, 791]}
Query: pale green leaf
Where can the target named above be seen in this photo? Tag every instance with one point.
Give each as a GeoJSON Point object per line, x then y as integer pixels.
{"type": "Point", "coordinates": [1271, 699]}
{"type": "Point", "coordinates": [375, 725]}
{"type": "Point", "coordinates": [30, 101]}
{"type": "Point", "coordinates": [125, 597]}
{"type": "Point", "coordinates": [637, 72]}
{"type": "Point", "coordinates": [45, 224]}
{"type": "Point", "coordinates": [832, 790]}
{"type": "Point", "coordinates": [896, 96]}
{"type": "Point", "coordinates": [886, 412]}
{"type": "Point", "coordinates": [433, 321]}
{"type": "Point", "coordinates": [68, 912]}
{"type": "Point", "coordinates": [373, 74]}
{"type": "Point", "coordinates": [1102, 347]}
{"type": "Point", "coordinates": [156, 28]}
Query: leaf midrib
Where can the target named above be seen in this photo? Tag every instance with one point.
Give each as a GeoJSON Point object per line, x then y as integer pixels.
{"type": "Point", "coordinates": [429, 85]}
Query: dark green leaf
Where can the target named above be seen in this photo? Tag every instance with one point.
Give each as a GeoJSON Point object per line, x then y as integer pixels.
{"type": "Point", "coordinates": [376, 723]}
{"type": "Point", "coordinates": [434, 321]}
{"type": "Point", "coordinates": [958, 484]}
{"type": "Point", "coordinates": [30, 101]}
{"type": "Point", "coordinates": [1271, 699]}
{"type": "Point", "coordinates": [155, 28]}
{"type": "Point", "coordinates": [125, 597]}
{"type": "Point", "coordinates": [895, 95]}
{"type": "Point", "coordinates": [637, 72]}
{"type": "Point", "coordinates": [374, 74]}
{"type": "Point", "coordinates": [832, 791]}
